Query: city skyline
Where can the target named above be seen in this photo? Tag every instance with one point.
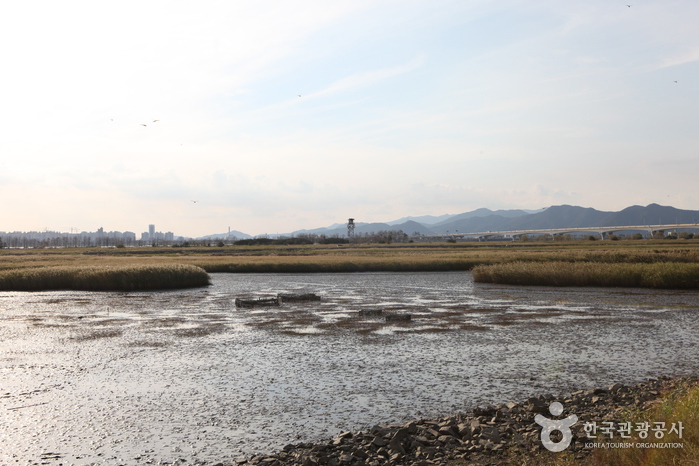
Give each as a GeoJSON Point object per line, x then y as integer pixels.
{"type": "Point", "coordinates": [123, 236]}
{"type": "Point", "coordinates": [269, 118]}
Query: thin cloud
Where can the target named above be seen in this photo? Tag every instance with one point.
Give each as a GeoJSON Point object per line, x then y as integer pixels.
{"type": "Point", "coordinates": [688, 56]}
{"type": "Point", "coordinates": [367, 78]}
{"type": "Point", "coordinates": [347, 84]}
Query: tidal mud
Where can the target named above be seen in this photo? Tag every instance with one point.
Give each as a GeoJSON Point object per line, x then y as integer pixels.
{"type": "Point", "coordinates": [138, 378]}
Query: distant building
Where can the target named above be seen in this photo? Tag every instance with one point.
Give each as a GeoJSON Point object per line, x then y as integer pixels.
{"type": "Point", "coordinates": [98, 238]}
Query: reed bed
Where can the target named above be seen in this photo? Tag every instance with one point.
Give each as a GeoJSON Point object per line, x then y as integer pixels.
{"type": "Point", "coordinates": [362, 258]}
{"type": "Point", "coordinates": [337, 265]}
{"type": "Point", "coordinates": [668, 275]}
{"type": "Point", "coordinates": [104, 278]}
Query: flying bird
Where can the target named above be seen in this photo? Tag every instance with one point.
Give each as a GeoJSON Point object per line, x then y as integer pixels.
{"type": "Point", "coordinates": [195, 201]}
{"type": "Point", "coordinates": [155, 121]}
{"type": "Point", "coordinates": [628, 6]}
{"type": "Point", "coordinates": [143, 124]}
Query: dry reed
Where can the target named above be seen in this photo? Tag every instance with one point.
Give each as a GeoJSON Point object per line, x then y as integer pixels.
{"type": "Point", "coordinates": [669, 275]}
{"type": "Point", "coordinates": [105, 278]}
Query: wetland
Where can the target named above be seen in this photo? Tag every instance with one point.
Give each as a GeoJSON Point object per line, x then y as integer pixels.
{"type": "Point", "coordinates": [141, 377]}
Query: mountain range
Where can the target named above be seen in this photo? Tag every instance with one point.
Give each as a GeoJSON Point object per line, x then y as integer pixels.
{"type": "Point", "coordinates": [481, 220]}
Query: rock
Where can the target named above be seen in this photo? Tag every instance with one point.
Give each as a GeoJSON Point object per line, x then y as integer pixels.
{"type": "Point", "coordinates": [380, 441]}
{"type": "Point", "coordinates": [361, 454]}
{"type": "Point", "coordinates": [447, 430]}
{"type": "Point", "coordinates": [615, 387]}
{"type": "Point", "coordinates": [395, 446]}
{"type": "Point", "coordinates": [538, 406]}
{"type": "Point", "coordinates": [464, 431]}
{"type": "Point", "coordinates": [488, 411]}
{"type": "Point", "coordinates": [411, 427]}
{"type": "Point", "coordinates": [401, 434]}
{"type": "Point", "coordinates": [492, 434]}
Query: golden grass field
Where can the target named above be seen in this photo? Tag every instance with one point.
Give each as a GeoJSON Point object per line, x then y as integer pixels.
{"type": "Point", "coordinates": [646, 263]}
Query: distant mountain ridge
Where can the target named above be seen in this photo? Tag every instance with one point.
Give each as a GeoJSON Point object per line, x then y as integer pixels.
{"type": "Point", "coordinates": [482, 220]}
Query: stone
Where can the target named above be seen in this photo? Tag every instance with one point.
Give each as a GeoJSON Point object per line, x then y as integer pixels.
{"type": "Point", "coordinates": [361, 454]}
{"type": "Point", "coordinates": [411, 427]}
{"type": "Point", "coordinates": [492, 434]}
{"type": "Point", "coordinates": [401, 434]}
{"type": "Point", "coordinates": [395, 446]}
{"type": "Point", "coordinates": [380, 441]}
{"type": "Point", "coordinates": [536, 405]}
{"type": "Point", "coordinates": [464, 431]}
{"type": "Point", "coordinates": [615, 387]}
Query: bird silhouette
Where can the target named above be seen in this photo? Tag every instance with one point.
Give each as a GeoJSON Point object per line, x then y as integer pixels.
{"type": "Point", "coordinates": [142, 124]}
{"type": "Point", "coordinates": [155, 121]}
{"type": "Point", "coordinates": [195, 201]}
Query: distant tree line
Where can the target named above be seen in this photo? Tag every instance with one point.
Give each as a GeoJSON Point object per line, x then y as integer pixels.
{"type": "Point", "coordinates": [381, 237]}
{"type": "Point", "coordinates": [304, 238]}
{"type": "Point", "coordinates": [67, 241]}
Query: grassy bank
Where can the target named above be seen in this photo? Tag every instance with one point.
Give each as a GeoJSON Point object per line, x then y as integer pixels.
{"type": "Point", "coordinates": [681, 404]}
{"type": "Point", "coordinates": [104, 278]}
{"type": "Point", "coordinates": [669, 275]}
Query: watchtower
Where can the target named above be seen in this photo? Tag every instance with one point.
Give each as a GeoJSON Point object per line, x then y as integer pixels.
{"type": "Point", "coordinates": [350, 230]}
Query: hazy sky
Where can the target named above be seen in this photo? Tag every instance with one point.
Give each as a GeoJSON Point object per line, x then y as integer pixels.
{"type": "Point", "coordinates": [405, 108]}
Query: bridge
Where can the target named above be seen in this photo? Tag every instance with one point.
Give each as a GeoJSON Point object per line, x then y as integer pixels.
{"type": "Point", "coordinates": [603, 232]}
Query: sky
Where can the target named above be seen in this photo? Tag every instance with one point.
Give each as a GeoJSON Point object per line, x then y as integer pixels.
{"type": "Point", "coordinates": [274, 116]}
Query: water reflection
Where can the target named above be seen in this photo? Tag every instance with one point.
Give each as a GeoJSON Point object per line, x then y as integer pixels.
{"type": "Point", "coordinates": [137, 377]}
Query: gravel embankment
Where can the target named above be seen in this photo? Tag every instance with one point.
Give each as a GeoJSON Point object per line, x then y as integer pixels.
{"type": "Point", "coordinates": [489, 435]}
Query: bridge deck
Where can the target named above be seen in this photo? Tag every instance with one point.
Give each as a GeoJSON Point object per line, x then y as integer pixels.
{"type": "Point", "coordinates": [600, 230]}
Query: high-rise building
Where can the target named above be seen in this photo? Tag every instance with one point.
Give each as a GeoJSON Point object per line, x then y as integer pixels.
{"type": "Point", "coordinates": [151, 231]}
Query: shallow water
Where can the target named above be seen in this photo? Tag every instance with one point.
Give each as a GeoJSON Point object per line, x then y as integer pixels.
{"type": "Point", "coordinates": [128, 378]}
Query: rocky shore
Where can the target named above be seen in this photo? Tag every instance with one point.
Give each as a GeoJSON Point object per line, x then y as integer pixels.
{"type": "Point", "coordinates": [488, 436]}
